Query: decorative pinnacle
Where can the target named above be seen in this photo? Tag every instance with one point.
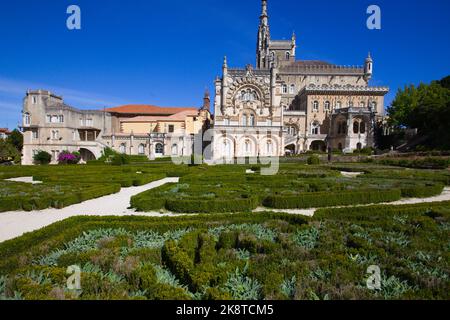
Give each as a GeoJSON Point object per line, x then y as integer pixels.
{"type": "Point", "coordinates": [264, 8]}
{"type": "Point", "coordinates": [225, 64]}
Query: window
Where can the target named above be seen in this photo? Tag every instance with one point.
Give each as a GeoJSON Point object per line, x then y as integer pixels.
{"type": "Point", "coordinates": [356, 127]}
{"type": "Point", "coordinates": [362, 104]}
{"type": "Point", "coordinates": [327, 105]}
{"type": "Point", "coordinates": [248, 95]}
{"type": "Point", "coordinates": [159, 149]}
{"type": "Point", "coordinates": [362, 127]}
{"type": "Point", "coordinates": [338, 105]}
{"type": "Point", "coordinates": [81, 122]}
{"type": "Point", "coordinates": [227, 122]}
{"type": "Point", "coordinates": [49, 118]}
{"type": "Point", "coordinates": [34, 100]}
{"type": "Point", "coordinates": [374, 105]}
{"type": "Point", "coordinates": [27, 119]}
{"type": "Point", "coordinates": [55, 134]}
{"type": "Point", "coordinates": [171, 128]}
{"type": "Point", "coordinates": [350, 104]}
{"type": "Point", "coordinates": [292, 89]}
{"type": "Point", "coordinates": [292, 131]}
{"type": "Point", "coordinates": [252, 120]}
{"type": "Point", "coordinates": [247, 146]}
{"type": "Point", "coordinates": [89, 123]}
{"type": "Point", "coordinates": [342, 128]}
{"type": "Point", "coordinates": [288, 55]}
{"type": "Point", "coordinates": [175, 150]}
{"type": "Point", "coordinates": [316, 106]}
{"type": "Point", "coordinates": [123, 148]}
{"type": "Point", "coordinates": [141, 149]}
{"type": "Point", "coordinates": [244, 120]}
{"type": "Point", "coordinates": [315, 128]}
{"type": "Point", "coordinates": [35, 134]}
{"type": "Point", "coordinates": [55, 119]}
{"type": "Point", "coordinates": [284, 88]}
{"type": "Point", "coordinates": [269, 147]}
{"type": "Point", "coordinates": [61, 119]}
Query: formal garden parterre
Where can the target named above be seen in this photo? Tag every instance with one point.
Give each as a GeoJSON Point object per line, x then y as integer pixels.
{"type": "Point", "coordinates": [242, 256]}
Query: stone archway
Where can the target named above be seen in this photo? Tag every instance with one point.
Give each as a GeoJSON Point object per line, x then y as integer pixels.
{"type": "Point", "coordinates": [289, 150]}
{"type": "Point", "coordinates": [87, 155]}
{"type": "Point", "coordinates": [318, 145]}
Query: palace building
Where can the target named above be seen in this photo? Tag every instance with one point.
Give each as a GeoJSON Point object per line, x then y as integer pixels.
{"type": "Point", "coordinates": [52, 126]}
{"type": "Point", "coordinates": [281, 105]}
{"type": "Point", "coordinates": [284, 105]}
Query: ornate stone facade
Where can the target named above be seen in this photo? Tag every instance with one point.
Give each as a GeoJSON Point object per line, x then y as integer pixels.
{"type": "Point", "coordinates": [286, 105]}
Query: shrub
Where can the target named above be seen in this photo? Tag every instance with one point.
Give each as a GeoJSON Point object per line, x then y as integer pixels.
{"type": "Point", "coordinates": [67, 157]}
{"type": "Point", "coordinates": [42, 158]}
{"type": "Point", "coordinates": [326, 199]}
{"type": "Point", "coordinates": [313, 160]}
{"type": "Point", "coordinates": [120, 159]}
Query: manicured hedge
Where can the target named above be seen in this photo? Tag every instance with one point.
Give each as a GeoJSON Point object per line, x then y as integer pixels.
{"type": "Point", "coordinates": [423, 191]}
{"type": "Point", "coordinates": [325, 199]}
{"type": "Point", "coordinates": [212, 206]}
{"type": "Point", "coordinates": [45, 201]}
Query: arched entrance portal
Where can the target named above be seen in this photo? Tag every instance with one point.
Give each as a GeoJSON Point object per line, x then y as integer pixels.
{"type": "Point", "coordinates": [290, 150]}
{"type": "Point", "coordinates": [318, 146]}
{"type": "Point", "coordinates": [86, 155]}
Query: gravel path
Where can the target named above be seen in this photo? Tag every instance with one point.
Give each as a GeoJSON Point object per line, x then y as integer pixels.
{"type": "Point", "coordinates": [16, 223]}
{"type": "Point", "coordinates": [444, 196]}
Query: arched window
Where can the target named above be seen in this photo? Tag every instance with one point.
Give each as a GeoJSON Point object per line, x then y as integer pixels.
{"type": "Point", "coordinates": [27, 118]}
{"type": "Point", "coordinates": [284, 88]}
{"type": "Point", "coordinates": [288, 55]}
{"type": "Point", "coordinates": [252, 120]}
{"type": "Point", "coordinates": [226, 149]}
{"type": "Point", "coordinates": [350, 104]}
{"type": "Point", "coordinates": [248, 147]}
{"type": "Point", "coordinates": [356, 127]}
{"type": "Point", "coordinates": [159, 149]}
{"type": "Point", "coordinates": [362, 127]}
{"type": "Point", "coordinates": [292, 89]}
{"type": "Point", "coordinates": [244, 120]}
{"type": "Point", "coordinates": [269, 148]}
{"type": "Point", "coordinates": [315, 128]}
{"type": "Point", "coordinates": [292, 130]}
{"type": "Point", "coordinates": [338, 105]}
{"type": "Point", "coordinates": [174, 150]}
{"type": "Point", "coordinates": [359, 146]}
{"type": "Point", "coordinates": [374, 105]}
{"type": "Point", "coordinates": [123, 148]}
{"type": "Point", "coordinates": [327, 105]}
{"type": "Point", "coordinates": [141, 149]}
{"type": "Point", "coordinates": [316, 106]}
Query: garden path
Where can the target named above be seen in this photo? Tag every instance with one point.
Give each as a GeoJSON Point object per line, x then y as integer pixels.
{"type": "Point", "coordinates": [15, 223]}
{"type": "Point", "coordinates": [444, 196]}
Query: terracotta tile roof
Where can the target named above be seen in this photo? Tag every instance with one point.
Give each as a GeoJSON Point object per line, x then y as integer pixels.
{"type": "Point", "coordinates": [148, 110]}
{"type": "Point", "coordinates": [5, 130]}
{"type": "Point", "coordinates": [180, 116]}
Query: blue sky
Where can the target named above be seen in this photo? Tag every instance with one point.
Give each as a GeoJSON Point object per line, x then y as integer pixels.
{"type": "Point", "coordinates": [167, 52]}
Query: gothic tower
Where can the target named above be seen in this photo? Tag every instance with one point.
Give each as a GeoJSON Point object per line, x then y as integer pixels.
{"type": "Point", "coordinates": [262, 47]}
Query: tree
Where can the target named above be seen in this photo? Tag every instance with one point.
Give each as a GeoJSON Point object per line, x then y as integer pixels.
{"type": "Point", "coordinates": [8, 152]}
{"type": "Point", "coordinates": [42, 157]}
{"type": "Point", "coordinates": [425, 108]}
{"type": "Point", "coordinates": [16, 139]}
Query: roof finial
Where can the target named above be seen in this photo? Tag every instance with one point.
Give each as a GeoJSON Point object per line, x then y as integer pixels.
{"type": "Point", "coordinates": [369, 57]}
{"type": "Point", "coordinates": [264, 8]}
{"type": "Point", "coordinates": [225, 64]}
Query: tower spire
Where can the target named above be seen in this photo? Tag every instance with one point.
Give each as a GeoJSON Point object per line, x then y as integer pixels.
{"type": "Point", "coordinates": [264, 17]}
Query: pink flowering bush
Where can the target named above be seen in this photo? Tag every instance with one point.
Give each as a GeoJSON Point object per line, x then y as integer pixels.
{"type": "Point", "coordinates": [67, 157]}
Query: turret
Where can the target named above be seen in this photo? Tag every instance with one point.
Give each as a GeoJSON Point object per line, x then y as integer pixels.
{"type": "Point", "coordinates": [262, 45]}
{"type": "Point", "coordinates": [368, 68]}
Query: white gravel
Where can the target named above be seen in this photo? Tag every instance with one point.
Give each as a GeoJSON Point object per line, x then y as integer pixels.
{"type": "Point", "coordinates": [24, 179]}
{"type": "Point", "coordinates": [16, 223]}
{"type": "Point", "coordinates": [444, 196]}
